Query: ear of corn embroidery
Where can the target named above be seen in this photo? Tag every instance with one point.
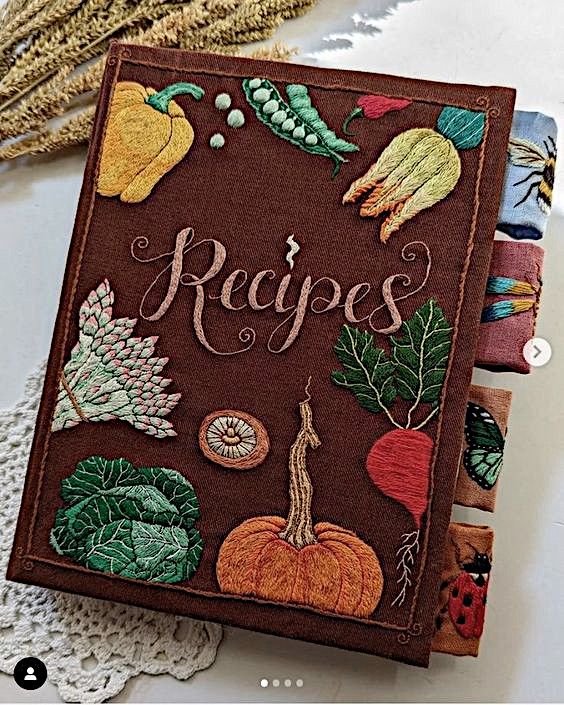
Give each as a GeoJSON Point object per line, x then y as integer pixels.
{"type": "Point", "coordinates": [296, 120]}
{"type": "Point", "coordinates": [419, 168]}
{"type": "Point", "coordinates": [147, 134]}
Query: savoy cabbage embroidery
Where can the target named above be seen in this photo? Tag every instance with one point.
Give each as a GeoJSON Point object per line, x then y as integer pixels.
{"type": "Point", "coordinates": [133, 522]}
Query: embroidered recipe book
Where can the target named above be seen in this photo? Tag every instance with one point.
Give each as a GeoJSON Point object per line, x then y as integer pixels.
{"type": "Point", "coordinates": [255, 401]}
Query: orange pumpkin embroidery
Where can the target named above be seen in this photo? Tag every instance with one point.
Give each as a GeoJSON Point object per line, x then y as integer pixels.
{"type": "Point", "coordinates": [291, 560]}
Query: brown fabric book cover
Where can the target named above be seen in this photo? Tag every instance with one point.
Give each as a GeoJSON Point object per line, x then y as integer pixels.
{"type": "Point", "coordinates": [254, 406]}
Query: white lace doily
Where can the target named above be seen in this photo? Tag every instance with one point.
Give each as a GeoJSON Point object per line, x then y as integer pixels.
{"type": "Point", "coordinates": [91, 648]}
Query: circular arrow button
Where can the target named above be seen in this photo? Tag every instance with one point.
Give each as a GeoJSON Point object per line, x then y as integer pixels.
{"type": "Point", "coordinates": [537, 352]}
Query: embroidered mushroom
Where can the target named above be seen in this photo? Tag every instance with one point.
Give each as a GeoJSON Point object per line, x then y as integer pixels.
{"type": "Point", "coordinates": [234, 439]}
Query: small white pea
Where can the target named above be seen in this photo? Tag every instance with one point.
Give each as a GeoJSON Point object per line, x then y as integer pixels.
{"type": "Point", "coordinates": [261, 95]}
{"type": "Point", "coordinates": [236, 118]}
{"type": "Point", "coordinates": [279, 117]}
{"type": "Point", "coordinates": [223, 101]}
{"type": "Point", "coordinates": [311, 139]}
{"type": "Point", "coordinates": [288, 125]}
{"type": "Point", "coordinates": [217, 141]}
{"type": "Point", "coordinates": [270, 107]}
{"type": "Point", "coordinates": [299, 133]}
{"type": "Point", "coordinates": [255, 83]}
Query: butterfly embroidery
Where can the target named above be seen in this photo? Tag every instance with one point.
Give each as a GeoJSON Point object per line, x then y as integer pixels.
{"type": "Point", "coordinates": [483, 458]}
{"type": "Point", "coordinates": [508, 307]}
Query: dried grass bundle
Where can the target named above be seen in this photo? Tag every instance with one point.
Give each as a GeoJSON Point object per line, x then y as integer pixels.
{"type": "Point", "coordinates": [45, 44]}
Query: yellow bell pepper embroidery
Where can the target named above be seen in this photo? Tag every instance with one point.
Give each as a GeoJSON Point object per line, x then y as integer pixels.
{"type": "Point", "coordinates": [147, 135]}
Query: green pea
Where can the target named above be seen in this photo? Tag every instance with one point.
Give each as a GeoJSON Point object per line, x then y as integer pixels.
{"type": "Point", "coordinates": [288, 125]}
{"type": "Point", "coordinates": [311, 139]}
{"type": "Point", "coordinates": [217, 141]}
{"type": "Point", "coordinates": [270, 107]}
{"type": "Point", "coordinates": [236, 118]}
{"type": "Point", "coordinates": [255, 83]}
{"type": "Point", "coordinates": [261, 95]}
{"type": "Point", "coordinates": [222, 101]}
{"type": "Point", "coordinates": [279, 117]}
{"type": "Point", "coordinates": [299, 133]}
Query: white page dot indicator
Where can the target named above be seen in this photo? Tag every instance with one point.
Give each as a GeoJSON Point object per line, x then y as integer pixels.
{"type": "Point", "coordinates": [264, 683]}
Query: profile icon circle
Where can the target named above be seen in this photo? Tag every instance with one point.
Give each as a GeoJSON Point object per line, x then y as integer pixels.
{"type": "Point", "coordinates": [30, 673]}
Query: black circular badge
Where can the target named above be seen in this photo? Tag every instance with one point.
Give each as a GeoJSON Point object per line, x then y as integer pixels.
{"type": "Point", "coordinates": [30, 673]}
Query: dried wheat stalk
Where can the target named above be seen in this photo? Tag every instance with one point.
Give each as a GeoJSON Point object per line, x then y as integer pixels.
{"type": "Point", "coordinates": [43, 82]}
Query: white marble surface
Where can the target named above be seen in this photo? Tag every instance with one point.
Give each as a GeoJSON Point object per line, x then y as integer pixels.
{"type": "Point", "coordinates": [509, 42]}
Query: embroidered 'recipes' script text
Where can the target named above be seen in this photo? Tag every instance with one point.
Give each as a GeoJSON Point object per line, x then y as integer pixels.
{"type": "Point", "coordinates": [315, 295]}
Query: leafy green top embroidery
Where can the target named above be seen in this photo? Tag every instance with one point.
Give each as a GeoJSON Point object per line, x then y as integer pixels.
{"type": "Point", "coordinates": [134, 522]}
{"type": "Point", "coordinates": [113, 375]}
{"type": "Point", "coordinates": [399, 462]}
{"type": "Point", "coordinates": [415, 371]}
{"type": "Point", "coordinates": [296, 120]}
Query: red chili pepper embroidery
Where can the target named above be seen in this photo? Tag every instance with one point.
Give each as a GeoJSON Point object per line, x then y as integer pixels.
{"type": "Point", "coordinates": [373, 107]}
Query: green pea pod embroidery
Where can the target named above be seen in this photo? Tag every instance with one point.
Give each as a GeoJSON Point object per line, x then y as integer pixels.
{"type": "Point", "coordinates": [296, 120]}
{"type": "Point", "coordinates": [417, 169]}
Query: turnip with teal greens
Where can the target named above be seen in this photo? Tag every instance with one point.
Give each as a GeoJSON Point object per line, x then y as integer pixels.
{"type": "Point", "coordinates": [113, 375]}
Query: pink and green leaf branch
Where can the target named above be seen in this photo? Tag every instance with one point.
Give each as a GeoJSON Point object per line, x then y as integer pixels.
{"type": "Point", "coordinates": [399, 462]}
{"type": "Point", "coordinates": [113, 375]}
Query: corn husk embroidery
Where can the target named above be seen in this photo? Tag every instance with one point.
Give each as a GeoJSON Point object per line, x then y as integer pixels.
{"type": "Point", "coordinates": [296, 120]}
{"type": "Point", "coordinates": [113, 375]}
{"type": "Point", "coordinates": [419, 168]}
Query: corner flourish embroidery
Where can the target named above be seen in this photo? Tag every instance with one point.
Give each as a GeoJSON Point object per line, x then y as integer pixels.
{"type": "Point", "coordinates": [290, 560]}
{"type": "Point", "coordinates": [419, 168]}
{"type": "Point", "coordinates": [147, 135]}
{"type": "Point", "coordinates": [296, 120]}
{"type": "Point", "coordinates": [113, 375]}
{"type": "Point", "coordinates": [399, 462]}
{"type": "Point", "coordinates": [133, 522]}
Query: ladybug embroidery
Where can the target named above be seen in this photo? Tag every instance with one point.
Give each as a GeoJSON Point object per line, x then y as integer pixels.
{"type": "Point", "coordinates": [467, 596]}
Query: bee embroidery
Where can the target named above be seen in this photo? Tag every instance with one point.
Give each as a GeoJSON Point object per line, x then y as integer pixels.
{"type": "Point", "coordinates": [528, 154]}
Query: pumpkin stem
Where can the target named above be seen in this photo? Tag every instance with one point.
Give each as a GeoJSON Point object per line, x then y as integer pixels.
{"type": "Point", "coordinates": [161, 100]}
{"type": "Point", "coordinates": [299, 526]}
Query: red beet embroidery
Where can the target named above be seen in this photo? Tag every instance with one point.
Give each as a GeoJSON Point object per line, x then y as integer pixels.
{"type": "Point", "coordinates": [373, 107]}
{"type": "Point", "coordinates": [399, 462]}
